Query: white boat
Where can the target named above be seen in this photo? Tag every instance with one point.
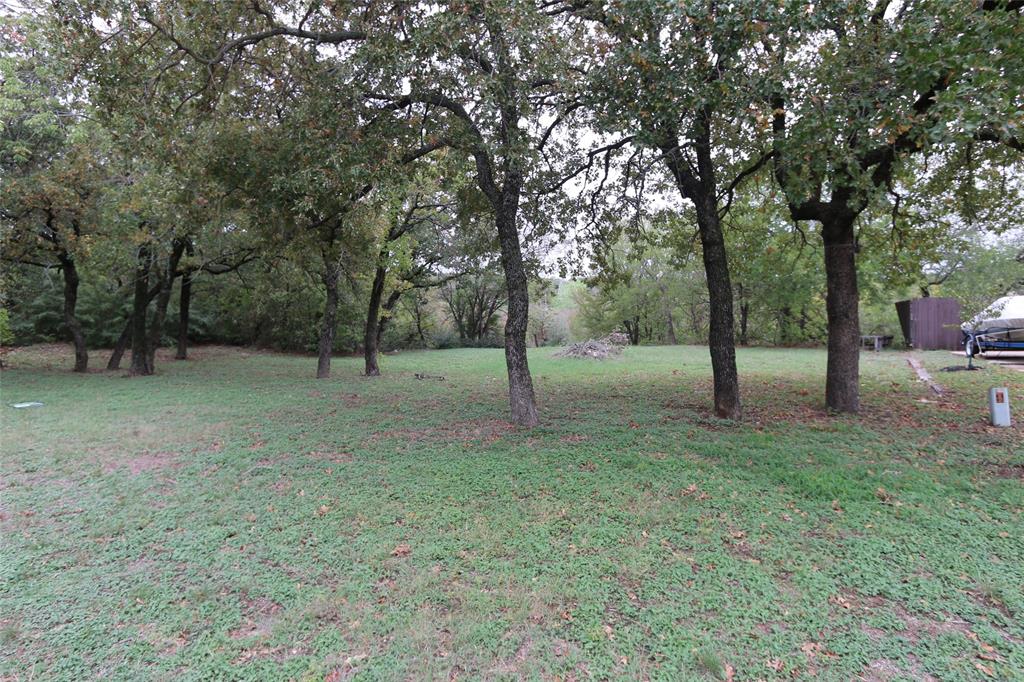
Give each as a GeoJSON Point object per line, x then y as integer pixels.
{"type": "Point", "coordinates": [1000, 326]}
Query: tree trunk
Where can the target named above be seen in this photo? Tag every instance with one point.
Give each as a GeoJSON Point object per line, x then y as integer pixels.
{"type": "Point", "coordinates": [371, 339]}
{"type": "Point", "coordinates": [418, 313]}
{"type": "Point", "coordinates": [71, 280]}
{"type": "Point", "coordinates": [520, 383]}
{"type": "Point", "coordinates": [744, 313]}
{"type": "Point", "coordinates": [387, 310]}
{"type": "Point", "coordinates": [744, 317]}
{"type": "Point", "coordinates": [140, 365]}
{"type": "Point", "coordinates": [124, 340]}
{"type": "Point", "coordinates": [633, 330]}
{"type": "Point", "coordinates": [331, 272]}
{"type": "Point", "coordinates": [163, 299]}
{"type": "Point", "coordinates": [842, 376]}
{"type": "Point", "coordinates": [786, 326]}
{"type": "Point", "coordinates": [700, 188]}
{"type": "Point", "coordinates": [184, 303]}
{"type": "Point", "coordinates": [121, 345]}
{"type": "Point", "coordinates": [721, 340]}
{"type": "Point", "coordinates": [672, 330]}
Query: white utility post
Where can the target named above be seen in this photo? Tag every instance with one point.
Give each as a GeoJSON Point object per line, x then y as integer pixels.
{"type": "Point", "coordinates": [999, 406]}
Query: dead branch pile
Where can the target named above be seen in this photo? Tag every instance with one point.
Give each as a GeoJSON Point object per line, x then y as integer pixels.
{"type": "Point", "coordinates": [594, 349]}
{"type": "Point", "coordinates": [616, 339]}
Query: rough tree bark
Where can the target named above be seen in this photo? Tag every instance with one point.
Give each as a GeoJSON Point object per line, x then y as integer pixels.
{"type": "Point", "coordinates": [721, 341]}
{"type": "Point", "coordinates": [330, 276]}
{"type": "Point", "coordinates": [140, 365]}
{"type": "Point", "coordinates": [71, 280]}
{"type": "Point", "coordinates": [842, 375]}
{"type": "Point", "coordinates": [520, 383]}
{"type": "Point", "coordinates": [371, 337]}
{"type": "Point", "coordinates": [700, 188]}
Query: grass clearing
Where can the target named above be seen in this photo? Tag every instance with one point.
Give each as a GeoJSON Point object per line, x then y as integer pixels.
{"type": "Point", "coordinates": [234, 518]}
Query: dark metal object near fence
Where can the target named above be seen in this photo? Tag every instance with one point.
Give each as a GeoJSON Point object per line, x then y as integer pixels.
{"type": "Point", "coordinates": [931, 323]}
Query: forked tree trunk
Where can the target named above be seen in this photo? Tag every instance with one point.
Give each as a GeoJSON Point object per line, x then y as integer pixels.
{"type": "Point", "coordinates": [184, 303]}
{"type": "Point", "coordinates": [163, 299]}
{"type": "Point", "coordinates": [140, 365]}
{"type": "Point", "coordinates": [842, 376]}
{"type": "Point", "coordinates": [70, 272]}
{"type": "Point", "coordinates": [123, 341]}
{"type": "Point", "coordinates": [330, 275]}
{"type": "Point", "coordinates": [721, 341]}
{"type": "Point", "coordinates": [371, 337]}
{"type": "Point", "coordinates": [520, 384]}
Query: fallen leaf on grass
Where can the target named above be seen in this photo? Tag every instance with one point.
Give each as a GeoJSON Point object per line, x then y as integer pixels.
{"type": "Point", "coordinates": [985, 669]}
{"type": "Point", "coordinates": [810, 648]}
{"type": "Point", "coordinates": [401, 550]}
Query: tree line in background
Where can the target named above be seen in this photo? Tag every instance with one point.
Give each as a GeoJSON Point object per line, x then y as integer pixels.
{"type": "Point", "coordinates": [347, 175]}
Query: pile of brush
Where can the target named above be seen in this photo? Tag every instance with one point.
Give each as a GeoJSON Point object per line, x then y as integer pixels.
{"type": "Point", "coordinates": [595, 349]}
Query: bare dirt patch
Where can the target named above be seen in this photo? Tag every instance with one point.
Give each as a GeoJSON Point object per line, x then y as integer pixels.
{"type": "Point", "coordinates": [165, 645]}
{"type": "Point", "coordinates": [916, 627]}
{"type": "Point", "coordinates": [1011, 471]}
{"type": "Point", "coordinates": [884, 670]}
{"type": "Point", "coordinates": [330, 455]}
{"type": "Point", "coordinates": [259, 617]}
{"type": "Point", "coordinates": [143, 462]}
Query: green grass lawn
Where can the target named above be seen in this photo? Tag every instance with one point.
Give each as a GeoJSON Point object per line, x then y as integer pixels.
{"type": "Point", "coordinates": [234, 518]}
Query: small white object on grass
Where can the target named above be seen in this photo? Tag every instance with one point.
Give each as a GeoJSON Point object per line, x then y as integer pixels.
{"type": "Point", "coordinates": [999, 406]}
{"type": "Point", "coordinates": [20, 406]}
